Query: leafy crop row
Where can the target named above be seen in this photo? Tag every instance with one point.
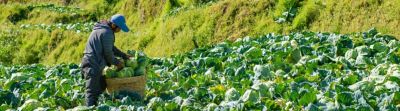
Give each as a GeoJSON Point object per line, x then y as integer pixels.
{"type": "Point", "coordinates": [299, 71]}
{"type": "Point", "coordinates": [77, 27]}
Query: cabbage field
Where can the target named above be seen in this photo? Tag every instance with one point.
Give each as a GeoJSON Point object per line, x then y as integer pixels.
{"type": "Point", "coordinates": [299, 71]}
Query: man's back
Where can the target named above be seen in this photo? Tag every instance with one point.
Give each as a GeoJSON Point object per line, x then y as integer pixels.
{"type": "Point", "coordinates": [94, 50]}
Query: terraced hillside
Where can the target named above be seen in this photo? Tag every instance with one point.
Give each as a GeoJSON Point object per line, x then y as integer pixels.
{"type": "Point", "coordinates": [50, 31]}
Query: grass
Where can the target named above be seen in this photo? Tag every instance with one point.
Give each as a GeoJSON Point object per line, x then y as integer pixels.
{"type": "Point", "coordinates": [174, 26]}
{"type": "Point", "coordinates": [306, 15]}
{"type": "Point", "coordinates": [342, 17]}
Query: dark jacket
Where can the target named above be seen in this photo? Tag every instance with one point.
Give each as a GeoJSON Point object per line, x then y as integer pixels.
{"type": "Point", "coordinates": [100, 50]}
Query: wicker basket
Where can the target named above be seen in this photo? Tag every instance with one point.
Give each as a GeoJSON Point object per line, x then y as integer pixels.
{"type": "Point", "coordinates": [135, 84]}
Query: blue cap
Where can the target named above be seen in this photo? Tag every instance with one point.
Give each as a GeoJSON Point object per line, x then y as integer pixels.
{"type": "Point", "coordinates": [119, 20]}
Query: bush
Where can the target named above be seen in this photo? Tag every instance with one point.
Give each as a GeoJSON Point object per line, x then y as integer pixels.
{"type": "Point", "coordinates": [19, 13]}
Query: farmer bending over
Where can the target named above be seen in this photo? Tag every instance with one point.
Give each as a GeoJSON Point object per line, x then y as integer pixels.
{"type": "Point", "coordinates": [100, 52]}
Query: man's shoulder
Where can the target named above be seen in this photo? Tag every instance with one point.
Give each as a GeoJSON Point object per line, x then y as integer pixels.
{"type": "Point", "coordinates": [103, 32]}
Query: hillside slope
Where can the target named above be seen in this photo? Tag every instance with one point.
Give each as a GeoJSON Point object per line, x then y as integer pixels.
{"type": "Point", "coordinates": [50, 31]}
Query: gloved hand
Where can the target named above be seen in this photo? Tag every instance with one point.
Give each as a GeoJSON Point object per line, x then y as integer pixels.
{"type": "Point", "coordinates": [120, 65]}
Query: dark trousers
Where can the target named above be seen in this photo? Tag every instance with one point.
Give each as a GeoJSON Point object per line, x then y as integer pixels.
{"type": "Point", "coordinates": [95, 83]}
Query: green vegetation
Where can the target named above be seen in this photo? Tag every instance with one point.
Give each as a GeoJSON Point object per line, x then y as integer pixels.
{"type": "Point", "coordinates": [58, 30]}
{"type": "Point", "coordinates": [298, 71]}
{"type": "Point", "coordinates": [135, 66]}
{"type": "Point", "coordinates": [207, 54]}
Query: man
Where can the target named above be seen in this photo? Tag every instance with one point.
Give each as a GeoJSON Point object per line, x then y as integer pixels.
{"type": "Point", "coordinates": [100, 52]}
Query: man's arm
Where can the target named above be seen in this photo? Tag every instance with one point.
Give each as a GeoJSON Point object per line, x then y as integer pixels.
{"type": "Point", "coordinates": [108, 44]}
{"type": "Point", "coordinates": [119, 53]}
